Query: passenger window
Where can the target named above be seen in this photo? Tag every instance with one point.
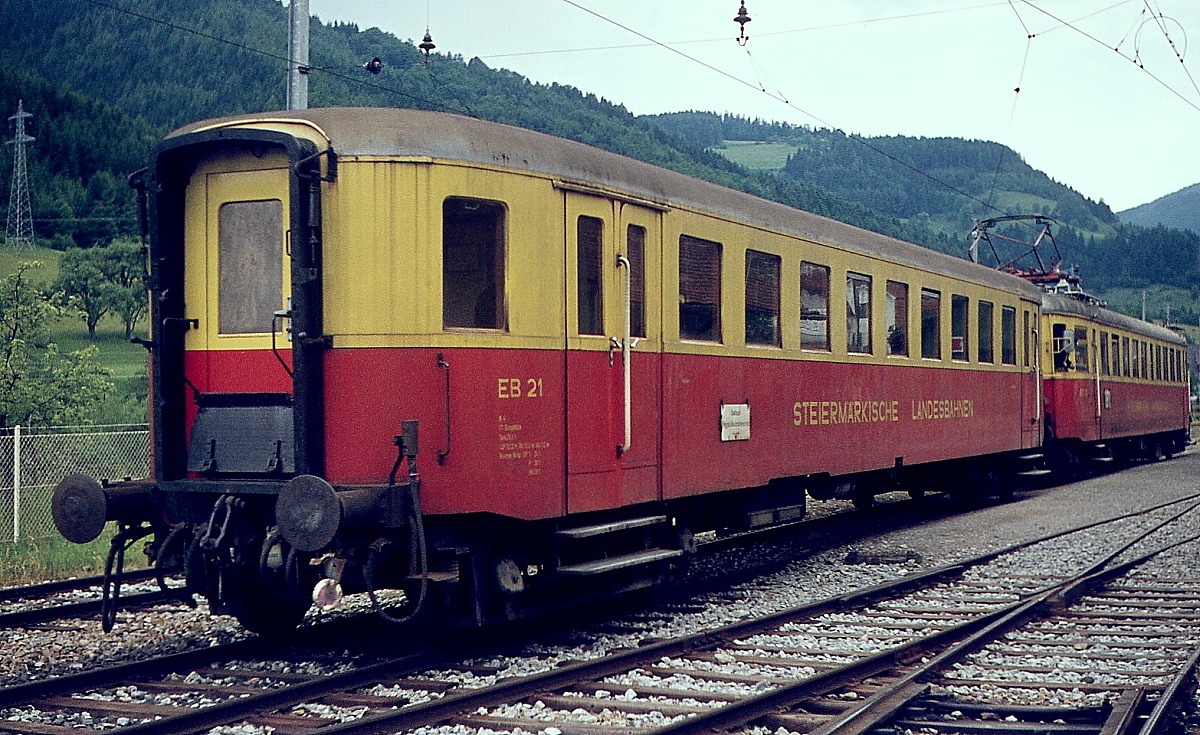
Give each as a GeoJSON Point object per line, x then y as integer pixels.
{"type": "Point", "coordinates": [897, 318]}
{"type": "Point", "coordinates": [1104, 353]}
{"type": "Point", "coordinates": [1137, 360]}
{"type": "Point", "coordinates": [1064, 347]}
{"type": "Point", "coordinates": [1125, 361]}
{"type": "Point", "coordinates": [473, 263]}
{"type": "Point", "coordinates": [1145, 360]}
{"type": "Point", "coordinates": [1081, 349]}
{"type": "Point", "coordinates": [1008, 335]}
{"type": "Point", "coordinates": [635, 251]}
{"type": "Point", "coordinates": [590, 236]}
{"type": "Point", "coordinates": [699, 289]}
{"type": "Point", "coordinates": [814, 306]}
{"type": "Point", "coordinates": [931, 324]}
{"type": "Point", "coordinates": [858, 313]}
{"type": "Point", "coordinates": [986, 348]}
{"type": "Point", "coordinates": [762, 298]}
{"type": "Point", "coordinates": [1116, 354]}
{"type": "Point", "coordinates": [250, 266]}
{"type": "Point", "coordinates": [959, 323]}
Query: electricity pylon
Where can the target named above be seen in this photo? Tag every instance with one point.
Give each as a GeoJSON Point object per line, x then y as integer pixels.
{"type": "Point", "coordinates": [18, 231]}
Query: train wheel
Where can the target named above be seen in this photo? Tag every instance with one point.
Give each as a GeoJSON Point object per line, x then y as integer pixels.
{"type": "Point", "coordinates": [258, 610]}
{"type": "Point", "coordinates": [863, 500]}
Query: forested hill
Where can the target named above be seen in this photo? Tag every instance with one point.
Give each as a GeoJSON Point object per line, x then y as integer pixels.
{"type": "Point", "coordinates": [82, 153]}
{"type": "Point", "coordinates": [149, 65]}
{"type": "Point", "coordinates": [230, 59]}
{"type": "Point", "coordinates": [1181, 209]}
{"type": "Point", "coordinates": [945, 183]}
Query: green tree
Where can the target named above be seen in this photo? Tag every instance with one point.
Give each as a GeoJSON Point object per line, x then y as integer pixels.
{"type": "Point", "coordinates": [124, 264]}
{"type": "Point", "coordinates": [85, 286]}
{"type": "Point", "coordinates": [38, 383]}
{"type": "Point", "coordinates": [103, 280]}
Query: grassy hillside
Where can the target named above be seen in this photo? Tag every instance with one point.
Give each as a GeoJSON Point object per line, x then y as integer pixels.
{"type": "Point", "coordinates": [757, 155]}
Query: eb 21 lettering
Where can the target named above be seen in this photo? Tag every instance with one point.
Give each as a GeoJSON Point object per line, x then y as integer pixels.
{"type": "Point", "coordinates": [519, 388]}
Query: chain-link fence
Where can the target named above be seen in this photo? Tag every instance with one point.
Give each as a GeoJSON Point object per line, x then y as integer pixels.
{"type": "Point", "coordinates": [33, 460]}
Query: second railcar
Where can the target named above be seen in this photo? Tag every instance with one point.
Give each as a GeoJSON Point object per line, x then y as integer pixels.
{"type": "Point", "coordinates": [1116, 388]}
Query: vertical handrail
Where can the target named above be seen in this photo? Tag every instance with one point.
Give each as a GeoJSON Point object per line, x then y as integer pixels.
{"type": "Point", "coordinates": [442, 454]}
{"type": "Point", "coordinates": [16, 483]}
{"type": "Point", "coordinates": [626, 339]}
{"type": "Point", "coordinates": [1037, 372]}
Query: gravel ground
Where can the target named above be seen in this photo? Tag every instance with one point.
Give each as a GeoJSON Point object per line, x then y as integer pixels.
{"type": "Point", "coordinates": [35, 654]}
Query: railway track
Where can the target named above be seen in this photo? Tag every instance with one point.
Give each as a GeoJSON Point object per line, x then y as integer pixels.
{"type": "Point", "coordinates": [48, 602]}
{"type": "Point", "coordinates": [820, 668]}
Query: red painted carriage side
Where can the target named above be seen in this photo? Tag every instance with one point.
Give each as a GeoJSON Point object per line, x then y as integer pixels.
{"type": "Point", "coordinates": [1071, 408]}
{"type": "Point", "coordinates": [810, 417]}
{"type": "Point", "coordinates": [1125, 409]}
{"type": "Point", "coordinates": [525, 442]}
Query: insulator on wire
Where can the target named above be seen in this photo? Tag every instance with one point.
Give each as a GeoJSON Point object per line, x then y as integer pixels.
{"type": "Point", "coordinates": [742, 18]}
{"type": "Point", "coordinates": [426, 45]}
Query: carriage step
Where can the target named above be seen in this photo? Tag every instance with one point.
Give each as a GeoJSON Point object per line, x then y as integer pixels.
{"type": "Point", "coordinates": [1035, 457]}
{"type": "Point", "coordinates": [1034, 473]}
{"type": "Point", "coordinates": [600, 566]}
{"type": "Point", "coordinates": [601, 529]}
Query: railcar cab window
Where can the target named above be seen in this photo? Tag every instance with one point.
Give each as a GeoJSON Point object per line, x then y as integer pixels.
{"type": "Point", "coordinates": [986, 316]}
{"type": "Point", "coordinates": [1125, 357]}
{"type": "Point", "coordinates": [762, 298]}
{"type": "Point", "coordinates": [897, 318]}
{"type": "Point", "coordinates": [635, 252]}
{"type": "Point", "coordinates": [858, 313]}
{"type": "Point", "coordinates": [1064, 348]}
{"type": "Point", "coordinates": [814, 306]}
{"type": "Point", "coordinates": [1081, 348]}
{"type": "Point", "coordinates": [1116, 354]}
{"type": "Point", "coordinates": [931, 324]}
{"type": "Point", "coordinates": [1008, 336]}
{"type": "Point", "coordinates": [959, 327]}
{"type": "Point", "coordinates": [590, 233]}
{"type": "Point", "coordinates": [1104, 363]}
{"type": "Point", "coordinates": [699, 289]}
{"type": "Point", "coordinates": [473, 237]}
{"type": "Point", "coordinates": [1137, 362]}
{"type": "Point", "coordinates": [250, 266]}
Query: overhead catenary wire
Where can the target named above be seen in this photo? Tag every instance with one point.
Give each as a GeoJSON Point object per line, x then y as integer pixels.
{"type": "Point", "coordinates": [1133, 60]}
{"type": "Point", "coordinates": [857, 139]}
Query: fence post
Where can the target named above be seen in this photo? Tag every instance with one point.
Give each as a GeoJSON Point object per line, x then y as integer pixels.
{"type": "Point", "coordinates": [16, 483]}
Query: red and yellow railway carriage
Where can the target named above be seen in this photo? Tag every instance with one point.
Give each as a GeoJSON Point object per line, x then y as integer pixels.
{"type": "Point", "coordinates": [1116, 388]}
{"type": "Point", "coordinates": [490, 367]}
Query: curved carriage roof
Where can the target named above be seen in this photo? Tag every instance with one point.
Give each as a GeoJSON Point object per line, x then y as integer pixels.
{"type": "Point", "coordinates": [1053, 303]}
{"type": "Point", "coordinates": [363, 131]}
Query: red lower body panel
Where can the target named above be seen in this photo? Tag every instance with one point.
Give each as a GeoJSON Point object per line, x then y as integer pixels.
{"type": "Point", "coordinates": [1124, 409]}
{"type": "Point", "coordinates": [537, 433]}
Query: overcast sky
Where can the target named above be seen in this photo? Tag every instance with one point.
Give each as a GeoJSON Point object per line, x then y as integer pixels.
{"type": "Point", "coordinates": [1105, 105]}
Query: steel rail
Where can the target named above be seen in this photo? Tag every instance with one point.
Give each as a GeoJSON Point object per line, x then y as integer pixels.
{"type": "Point", "coordinates": [45, 589]}
{"type": "Point", "coordinates": [86, 608]}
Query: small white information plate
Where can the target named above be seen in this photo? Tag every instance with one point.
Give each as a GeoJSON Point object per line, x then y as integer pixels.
{"type": "Point", "coordinates": [735, 422]}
